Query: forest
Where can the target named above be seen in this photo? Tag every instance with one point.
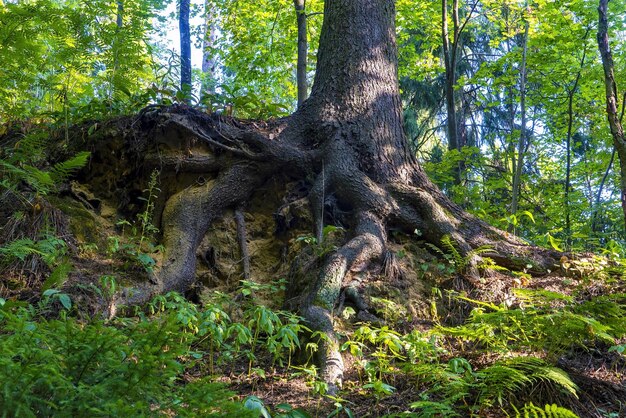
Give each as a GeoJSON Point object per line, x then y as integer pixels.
{"type": "Point", "coordinates": [308, 208]}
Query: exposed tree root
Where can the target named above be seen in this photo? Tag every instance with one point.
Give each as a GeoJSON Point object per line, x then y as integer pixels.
{"type": "Point", "coordinates": [367, 245]}
{"type": "Point", "coordinates": [242, 239]}
{"type": "Point", "coordinates": [242, 156]}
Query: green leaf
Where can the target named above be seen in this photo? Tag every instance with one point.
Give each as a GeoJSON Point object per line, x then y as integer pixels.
{"type": "Point", "coordinates": [50, 292]}
{"type": "Point", "coordinates": [554, 243]}
{"type": "Point", "coordinates": [65, 300]}
{"type": "Point", "coordinates": [58, 276]}
{"type": "Point", "coordinates": [528, 214]}
{"type": "Point", "coordinates": [255, 404]}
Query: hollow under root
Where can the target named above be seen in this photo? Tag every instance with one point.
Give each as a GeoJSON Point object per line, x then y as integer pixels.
{"type": "Point", "coordinates": [186, 218]}
{"type": "Point", "coordinates": [368, 244]}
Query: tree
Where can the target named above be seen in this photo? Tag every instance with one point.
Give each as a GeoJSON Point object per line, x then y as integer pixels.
{"type": "Point", "coordinates": [346, 142]}
{"type": "Point", "coordinates": [521, 148]}
{"type": "Point", "coordinates": [612, 100]}
{"type": "Point", "coordinates": [185, 47]}
{"type": "Point", "coordinates": [451, 56]}
{"type": "Point", "coordinates": [208, 57]}
{"type": "Point", "coordinates": [302, 50]}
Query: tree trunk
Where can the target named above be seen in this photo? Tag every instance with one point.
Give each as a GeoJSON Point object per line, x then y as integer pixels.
{"type": "Point", "coordinates": [568, 141]}
{"type": "Point", "coordinates": [301, 19]}
{"type": "Point", "coordinates": [449, 59]}
{"type": "Point", "coordinates": [208, 60]}
{"type": "Point", "coordinates": [185, 49]}
{"type": "Point", "coordinates": [611, 97]}
{"type": "Point", "coordinates": [521, 149]}
{"type": "Point", "coordinates": [346, 141]}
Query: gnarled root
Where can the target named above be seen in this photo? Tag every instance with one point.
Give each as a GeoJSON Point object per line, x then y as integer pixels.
{"type": "Point", "coordinates": [368, 244]}
{"type": "Point", "coordinates": [186, 218]}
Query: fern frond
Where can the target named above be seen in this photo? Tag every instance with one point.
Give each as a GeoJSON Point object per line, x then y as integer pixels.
{"type": "Point", "coordinates": [508, 377]}
{"type": "Point", "coordinates": [61, 171]}
{"type": "Point", "coordinates": [36, 178]}
{"type": "Point", "coordinates": [458, 259]}
{"type": "Point", "coordinates": [43, 181]}
{"type": "Point", "coordinates": [548, 411]}
{"type": "Point", "coordinates": [434, 409]}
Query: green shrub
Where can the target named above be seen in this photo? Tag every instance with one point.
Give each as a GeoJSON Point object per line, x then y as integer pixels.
{"type": "Point", "coordinates": [131, 367]}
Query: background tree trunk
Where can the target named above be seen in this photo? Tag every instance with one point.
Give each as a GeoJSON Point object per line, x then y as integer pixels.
{"type": "Point", "coordinates": [301, 18]}
{"type": "Point", "coordinates": [208, 60]}
{"type": "Point", "coordinates": [611, 97]}
{"type": "Point", "coordinates": [185, 49]}
{"type": "Point", "coordinates": [521, 148]}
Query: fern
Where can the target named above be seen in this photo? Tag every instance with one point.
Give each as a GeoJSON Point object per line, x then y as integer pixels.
{"type": "Point", "coordinates": [434, 409]}
{"type": "Point", "coordinates": [462, 262]}
{"type": "Point", "coordinates": [42, 181]}
{"type": "Point", "coordinates": [548, 411]}
{"type": "Point", "coordinates": [508, 377]}
{"type": "Point", "coordinates": [62, 171]}
{"type": "Point", "coordinates": [50, 249]}
{"type": "Point", "coordinates": [543, 327]}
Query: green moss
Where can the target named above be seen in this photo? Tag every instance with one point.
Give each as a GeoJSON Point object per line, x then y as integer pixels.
{"type": "Point", "coordinates": [82, 222]}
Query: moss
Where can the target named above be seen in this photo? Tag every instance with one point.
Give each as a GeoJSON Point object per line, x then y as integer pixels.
{"type": "Point", "coordinates": [82, 222]}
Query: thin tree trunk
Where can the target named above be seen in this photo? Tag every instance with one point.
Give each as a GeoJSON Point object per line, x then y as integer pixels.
{"type": "Point", "coordinates": [449, 59]}
{"type": "Point", "coordinates": [120, 14]}
{"type": "Point", "coordinates": [596, 206]}
{"type": "Point", "coordinates": [568, 142]}
{"type": "Point", "coordinates": [208, 60]}
{"type": "Point", "coordinates": [517, 175]}
{"type": "Point", "coordinates": [301, 17]}
{"type": "Point", "coordinates": [185, 50]}
{"type": "Point", "coordinates": [617, 130]}
{"type": "Point", "coordinates": [119, 23]}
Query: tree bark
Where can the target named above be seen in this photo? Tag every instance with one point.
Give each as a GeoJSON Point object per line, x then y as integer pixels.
{"type": "Point", "coordinates": [301, 20]}
{"type": "Point", "coordinates": [208, 60]}
{"type": "Point", "coordinates": [185, 49]}
{"type": "Point", "coordinates": [610, 86]}
{"type": "Point", "coordinates": [449, 59]}
{"type": "Point", "coordinates": [521, 148]}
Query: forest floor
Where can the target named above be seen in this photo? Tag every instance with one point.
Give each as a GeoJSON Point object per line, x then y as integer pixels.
{"type": "Point", "coordinates": [430, 344]}
{"type": "Point", "coordinates": [599, 374]}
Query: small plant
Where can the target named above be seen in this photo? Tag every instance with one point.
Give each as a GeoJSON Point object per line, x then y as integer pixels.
{"type": "Point", "coordinates": [458, 262]}
{"type": "Point", "coordinates": [325, 246]}
{"type": "Point", "coordinates": [549, 411]}
{"type": "Point", "coordinates": [137, 247]}
{"type": "Point", "coordinates": [54, 294]}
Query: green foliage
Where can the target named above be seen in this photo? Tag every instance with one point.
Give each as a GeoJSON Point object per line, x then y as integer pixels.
{"type": "Point", "coordinates": [137, 248]}
{"type": "Point", "coordinates": [51, 249]}
{"type": "Point", "coordinates": [548, 411]}
{"type": "Point", "coordinates": [540, 326]}
{"type": "Point", "coordinates": [458, 262]}
{"type": "Point", "coordinates": [70, 59]}
{"type": "Point", "coordinates": [326, 245]}
{"type": "Point", "coordinates": [130, 367]}
{"type": "Point", "coordinates": [507, 378]}
{"type": "Point", "coordinates": [20, 165]}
